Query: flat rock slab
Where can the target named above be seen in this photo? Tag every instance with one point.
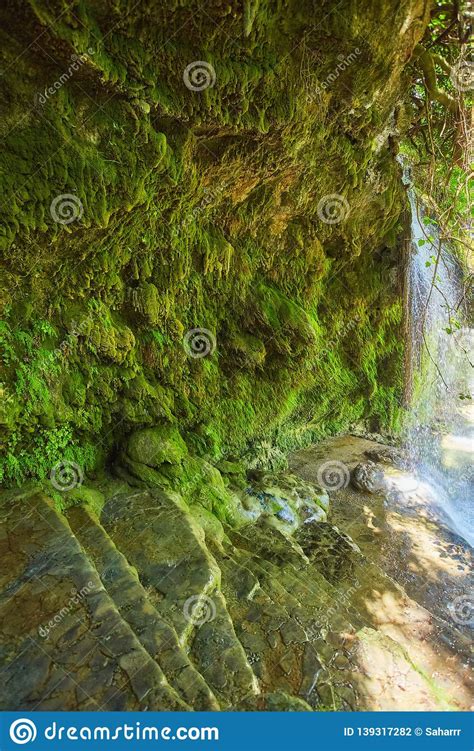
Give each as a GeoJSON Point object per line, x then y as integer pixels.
{"type": "Point", "coordinates": [413, 572]}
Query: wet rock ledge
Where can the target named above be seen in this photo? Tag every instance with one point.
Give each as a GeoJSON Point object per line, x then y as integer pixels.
{"type": "Point", "coordinates": [173, 584]}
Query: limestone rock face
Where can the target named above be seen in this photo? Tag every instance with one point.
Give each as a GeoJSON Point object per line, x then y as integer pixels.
{"type": "Point", "coordinates": [193, 249]}
{"type": "Point", "coordinates": [200, 270]}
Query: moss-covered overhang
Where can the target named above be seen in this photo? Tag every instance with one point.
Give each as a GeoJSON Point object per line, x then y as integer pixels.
{"type": "Point", "coordinates": [139, 204]}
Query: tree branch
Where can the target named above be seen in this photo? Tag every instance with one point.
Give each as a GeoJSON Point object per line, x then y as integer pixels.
{"type": "Point", "coordinates": [427, 62]}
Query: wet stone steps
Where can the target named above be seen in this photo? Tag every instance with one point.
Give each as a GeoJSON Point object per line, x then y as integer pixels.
{"type": "Point", "coordinates": [63, 643]}
{"type": "Point", "coordinates": [145, 608]}
{"type": "Point", "coordinates": [155, 634]}
{"type": "Point", "coordinates": [181, 580]}
{"type": "Point", "coordinates": [280, 649]}
{"type": "Point", "coordinates": [282, 633]}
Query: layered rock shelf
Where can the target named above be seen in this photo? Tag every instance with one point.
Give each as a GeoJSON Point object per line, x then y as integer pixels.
{"type": "Point", "coordinates": [141, 598]}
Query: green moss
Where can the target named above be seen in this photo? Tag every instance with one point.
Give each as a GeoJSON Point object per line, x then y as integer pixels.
{"type": "Point", "coordinates": [45, 450]}
{"type": "Point", "coordinates": [87, 496]}
{"type": "Point", "coordinates": [156, 446]}
{"type": "Point", "coordinates": [198, 209]}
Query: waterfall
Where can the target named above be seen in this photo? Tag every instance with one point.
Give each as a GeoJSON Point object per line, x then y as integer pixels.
{"type": "Point", "coordinates": [440, 430]}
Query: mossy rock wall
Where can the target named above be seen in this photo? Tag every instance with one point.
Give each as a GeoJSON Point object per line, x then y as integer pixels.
{"type": "Point", "coordinates": [198, 209]}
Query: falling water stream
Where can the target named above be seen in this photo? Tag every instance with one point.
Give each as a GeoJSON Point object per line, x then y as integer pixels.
{"type": "Point", "coordinates": [440, 436]}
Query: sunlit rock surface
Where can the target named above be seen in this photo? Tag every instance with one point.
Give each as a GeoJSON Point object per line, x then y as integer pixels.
{"type": "Point", "coordinates": [139, 603]}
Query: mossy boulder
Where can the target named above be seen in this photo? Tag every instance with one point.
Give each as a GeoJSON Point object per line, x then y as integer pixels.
{"type": "Point", "coordinates": [208, 489]}
{"type": "Point", "coordinates": [231, 468]}
{"type": "Point", "coordinates": [139, 474]}
{"type": "Point", "coordinates": [279, 701]}
{"type": "Point", "coordinates": [213, 529]}
{"type": "Point", "coordinates": [156, 446]}
{"type": "Point", "coordinates": [234, 473]}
